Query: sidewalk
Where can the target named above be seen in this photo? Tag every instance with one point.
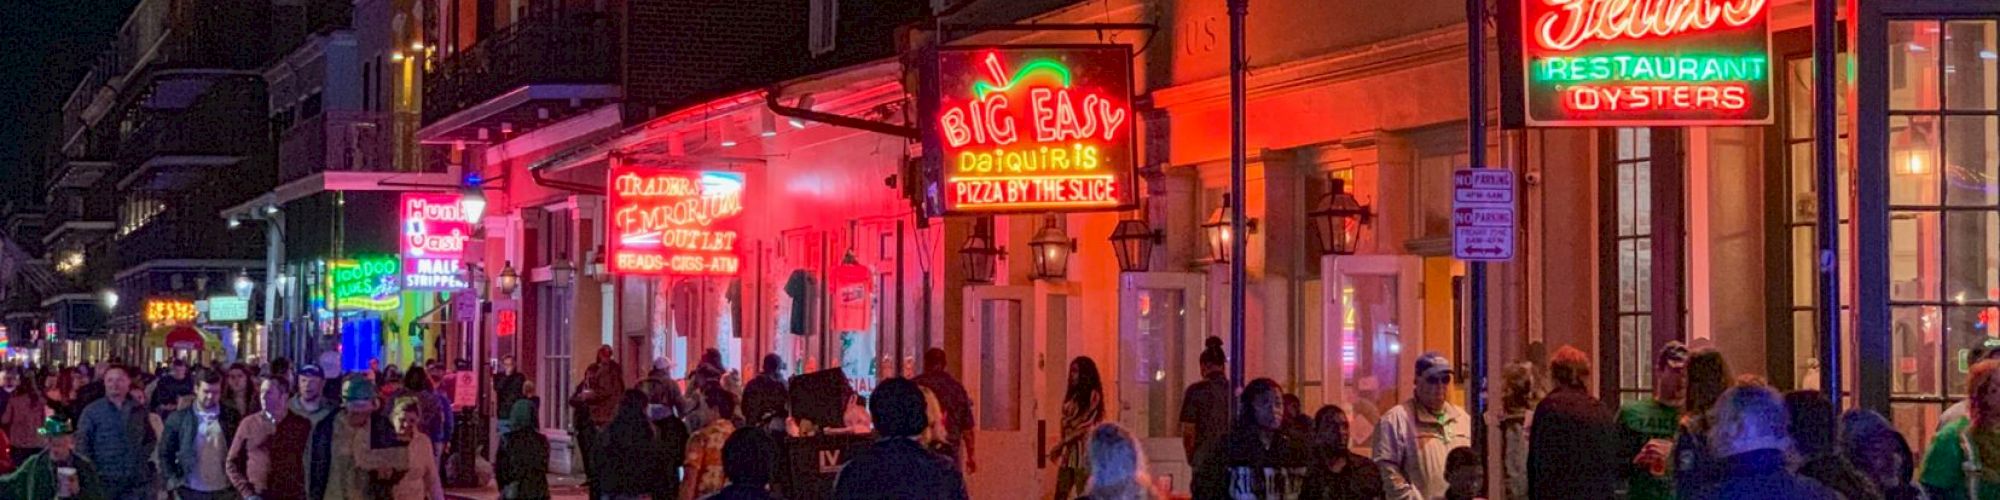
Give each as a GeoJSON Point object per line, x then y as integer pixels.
{"type": "Point", "coordinates": [563, 487]}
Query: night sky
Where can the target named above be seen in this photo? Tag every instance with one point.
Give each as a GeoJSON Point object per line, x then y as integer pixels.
{"type": "Point", "coordinates": [45, 47]}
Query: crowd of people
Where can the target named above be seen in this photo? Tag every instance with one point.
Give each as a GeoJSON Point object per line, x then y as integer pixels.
{"type": "Point", "coordinates": [114, 431]}
{"type": "Point", "coordinates": [275, 432]}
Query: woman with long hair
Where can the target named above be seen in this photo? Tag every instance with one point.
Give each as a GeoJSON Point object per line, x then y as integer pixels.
{"type": "Point", "coordinates": [26, 409]}
{"type": "Point", "coordinates": [239, 392]}
{"type": "Point", "coordinates": [1695, 465]}
{"type": "Point", "coordinates": [1118, 467]}
{"type": "Point", "coordinates": [1083, 409]}
{"type": "Point", "coordinates": [1259, 457]}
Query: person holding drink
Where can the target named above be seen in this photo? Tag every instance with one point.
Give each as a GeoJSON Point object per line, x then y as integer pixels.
{"type": "Point", "coordinates": [55, 472]}
{"type": "Point", "coordinates": [1649, 426]}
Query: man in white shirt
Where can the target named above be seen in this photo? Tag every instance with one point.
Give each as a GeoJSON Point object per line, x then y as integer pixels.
{"type": "Point", "coordinates": [195, 444]}
{"type": "Point", "coordinates": [1413, 438]}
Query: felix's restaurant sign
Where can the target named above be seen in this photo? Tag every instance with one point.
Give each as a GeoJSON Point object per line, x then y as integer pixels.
{"type": "Point", "coordinates": [1646, 62]}
{"type": "Point", "coordinates": [681, 222]}
{"type": "Point", "coordinates": [1030, 129]}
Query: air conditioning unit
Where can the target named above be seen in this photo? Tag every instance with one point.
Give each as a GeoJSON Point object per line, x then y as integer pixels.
{"type": "Point", "coordinates": [825, 26]}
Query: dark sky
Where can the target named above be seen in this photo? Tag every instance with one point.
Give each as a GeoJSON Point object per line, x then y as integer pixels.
{"type": "Point", "coordinates": [45, 46]}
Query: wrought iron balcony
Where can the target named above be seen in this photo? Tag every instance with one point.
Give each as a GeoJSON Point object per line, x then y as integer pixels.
{"type": "Point", "coordinates": [574, 49]}
{"type": "Point", "coordinates": [344, 141]}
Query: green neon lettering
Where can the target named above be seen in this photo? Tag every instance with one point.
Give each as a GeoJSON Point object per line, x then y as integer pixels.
{"type": "Point", "coordinates": [1055, 68]}
{"type": "Point", "coordinates": [1650, 68]}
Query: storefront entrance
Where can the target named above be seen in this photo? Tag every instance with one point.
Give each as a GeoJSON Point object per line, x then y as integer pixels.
{"type": "Point", "coordinates": [1377, 325]}
{"type": "Point", "coordinates": [1160, 335]}
{"type": "Point", "coordinates": [1018, 347]}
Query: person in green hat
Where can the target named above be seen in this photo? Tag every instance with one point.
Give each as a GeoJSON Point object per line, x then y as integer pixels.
{"type": "Point", "coordinates": [55, 472]}
{"type": "Point", "coordinates": [523, 466]}
{"type": "Point", "coordinates": [356, 457]}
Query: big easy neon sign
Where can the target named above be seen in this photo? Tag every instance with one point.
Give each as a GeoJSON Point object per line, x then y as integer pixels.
{"type": "Point", "coordinates": [679, 222]}
{"type": "Point", "coordinates": [1646, 62]}
{"type": "Point", "coordinates": [1030, 129]}
{"type": "Point", "coordinates": [436, 227]}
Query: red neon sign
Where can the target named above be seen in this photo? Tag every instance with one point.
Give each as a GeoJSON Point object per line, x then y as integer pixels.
{"type": "Point", "coordinates": [506, 322]}
{"type": "Point", "coordinates": [1031, 129]}
{"type": "Point", "coordinates": [679, 222]}
{"type": "Point", "coordinates": [1646, 62]}
{"type": "Point", "coordinates": [435, 229]}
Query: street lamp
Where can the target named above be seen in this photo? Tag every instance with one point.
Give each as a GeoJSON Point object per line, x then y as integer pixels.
{"type": "Point", "coordinates": [978, 255]}
{"type": "Point", "coordinates": [110, 299]}
{"type": "Point", "coordinates": [472, 199]}
{"type": "Point", "coordinates": [561, 272]}
{"type": "Point", "coordinates": [508, 281]}
{"type": "Point", "coordinates": [1052, 248]}
{"type": "Point", "coordinates": [1133, 241]}
{"type": "Point", "coordinates": [244, 286]}
{"type": "Point", "coordinates": [1338, 220]}
{"type": "Point", "coordinates": [1219, 232]}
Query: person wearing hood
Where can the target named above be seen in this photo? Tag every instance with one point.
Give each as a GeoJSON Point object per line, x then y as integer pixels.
{"type": "Point", "coordinates": [522, 466]}
{"type": "Point", "coordinates": [55, 472]}
{"type": "Point", "coordinates": [635, 471]}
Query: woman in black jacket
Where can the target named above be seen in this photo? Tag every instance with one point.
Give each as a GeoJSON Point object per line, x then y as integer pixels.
{"type": "Point", "coordinates": [629, 453]}
{"type": "Point", "coordinates": [523, 471]}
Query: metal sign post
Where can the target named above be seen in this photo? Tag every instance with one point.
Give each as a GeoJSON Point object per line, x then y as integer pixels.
{"type": "Point", "coordinates": [1475, 51]}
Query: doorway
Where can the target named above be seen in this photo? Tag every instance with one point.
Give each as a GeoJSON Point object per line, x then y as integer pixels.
{"type": "Point", "coordinates": [1160, 334]}
{"type": "Point", "coordinates": [1020, 335]}
{"type": "Point", "coordinates": [1375, 318]}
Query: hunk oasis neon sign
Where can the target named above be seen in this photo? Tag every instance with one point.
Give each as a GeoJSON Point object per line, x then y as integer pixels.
{"type": "Point", "coordinates": [1030, 129]}
{"type": "Point", "coordinates": [1646, 62]}
{"type": "Point", "coordinates": [435, 229]}
{"type": "Point", "coordinates": [679, 222]}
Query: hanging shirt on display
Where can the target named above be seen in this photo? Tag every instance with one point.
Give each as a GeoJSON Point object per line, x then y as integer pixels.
{"type": "Point", "coordinates": [800, 288]}
{"type": "Point", "coordinates": [851, 289]}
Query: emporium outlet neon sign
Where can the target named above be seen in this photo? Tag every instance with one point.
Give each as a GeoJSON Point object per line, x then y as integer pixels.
{"type": "Point", "coordinates": [678, 222]}
{"type": "Point", "coordinates": [1646, 62]}
{"type": "Point", "coordinates": [1030, 128]}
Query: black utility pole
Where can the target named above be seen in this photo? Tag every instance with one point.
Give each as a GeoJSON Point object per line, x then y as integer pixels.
{"type": "Point", "coordinates": [1826, 223]}
{"type": "Point", "coordinates": [1238, 68]}
{"type": "Point", "coordinates": [1475, 127]}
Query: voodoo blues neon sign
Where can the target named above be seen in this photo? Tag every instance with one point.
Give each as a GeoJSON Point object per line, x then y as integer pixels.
{"type": "Point", "coordinates": [678, 222]}
{"type": "Point", "coordinates": [1031, 129]}
{"type": "Point", "coordinates": [1646, 62]}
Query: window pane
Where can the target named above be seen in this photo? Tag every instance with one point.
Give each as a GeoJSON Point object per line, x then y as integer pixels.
{"type": "Point", "coordinates": [1804, 204]}
{"type": "Point", "coordinates": [1799, 83]}
{"type": "Point", "coordinates": [1642, 209]}
{"type": "Point", "coordinates": [1913, 61]}
{"type": "Point", "coordinates": [1628, 276]}
{"type": "Point", "coordinates": [1805, 349]}
{"type": "Point", "coordinates": [1969, 65]}
{"type": "Point", "coordinates": [1913, 153]}
{"type": "Point", "coordinates": [1972, 242]}
{"type": "Point", "coordinates": [1913, 256]}
{"type": "Point", "coordinates": [1803, 266]}
{"type": "Point", "coordinates": [1916, 337]}
{"type": "Point", "coordinates": [1628, 221]}
{"type": "Point", "coordinates": [1628, 340]}
{"type": "Point", "coordinates": [999, 375]}
{"type": "Point", "coordinates": [1972, 160]}
{"type": "Point", "coordinates": [1967, 328]}
{"type": "Point", "coordinates": [1161, 326]}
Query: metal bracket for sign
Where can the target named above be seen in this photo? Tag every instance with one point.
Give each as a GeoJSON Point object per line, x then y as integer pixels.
{"type": "Point", "coordinates": [771, 101]}
{"type": "Point", "coordinates": [949, 28]}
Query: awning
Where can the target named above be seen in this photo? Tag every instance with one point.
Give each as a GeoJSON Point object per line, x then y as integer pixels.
{"type": "Point", "coordinates": [182, 338]}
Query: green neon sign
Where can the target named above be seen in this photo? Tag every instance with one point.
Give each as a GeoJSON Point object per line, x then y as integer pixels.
{"type": "Point", "coordinates": [1647, 68]}
{"type": "Point", "coordinates": [369, 282]}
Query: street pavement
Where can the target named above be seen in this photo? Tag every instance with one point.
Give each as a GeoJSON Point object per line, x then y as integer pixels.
{"type": "Point", "coordinates": [561, 487]}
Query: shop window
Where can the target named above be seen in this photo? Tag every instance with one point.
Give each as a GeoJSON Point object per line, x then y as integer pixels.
{"type": "Point", "coordinates": [1628, 251]}
{"type": "Point", "coordinates": [1001, 342]}
{"type": "Point", "coordinates": [556, 379]}
{"type": "Point", "coordinates": [1798, 232]}
{"type": "Point", "coordinates": [1944, 220]}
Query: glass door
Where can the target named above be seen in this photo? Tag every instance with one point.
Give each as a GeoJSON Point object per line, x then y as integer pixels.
{"type": "Point", "coordinates": [1160, 332]}
{"type": "Point", "coordinates": [1372, 334]}
{"type": "Point", "coordinates": [1000, 373]}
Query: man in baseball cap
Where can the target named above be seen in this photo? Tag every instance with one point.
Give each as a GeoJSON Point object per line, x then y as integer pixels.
{"type": "Point", "coordinates": [1650, 425]}
{"type": "Point", "coordinates": [1414, 438]}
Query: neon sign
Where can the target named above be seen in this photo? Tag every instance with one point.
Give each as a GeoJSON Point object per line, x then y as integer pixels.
{"type": "Point", "coordinates": [435, 230]}
{"type": "Point", "coordinates": [169, 311]}
{"type": "Point", "coordinates": [1030, 129]}
{"type": "Point", "coordinates": [369, 283]}
{"type": "Point", "coordinates": [1646, 62]}
{"type": "Point", "coordinates": [679, 222]}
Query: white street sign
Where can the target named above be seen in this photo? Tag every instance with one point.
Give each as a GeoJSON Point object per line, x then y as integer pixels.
{"type": "Point", "coordinates": [1482, 220]}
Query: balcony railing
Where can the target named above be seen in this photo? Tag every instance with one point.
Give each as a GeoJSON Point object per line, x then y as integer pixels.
{"type": "Point", "coordinates": [553, 50]}
{"type": "Point", "coordinates": [345, 141]}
